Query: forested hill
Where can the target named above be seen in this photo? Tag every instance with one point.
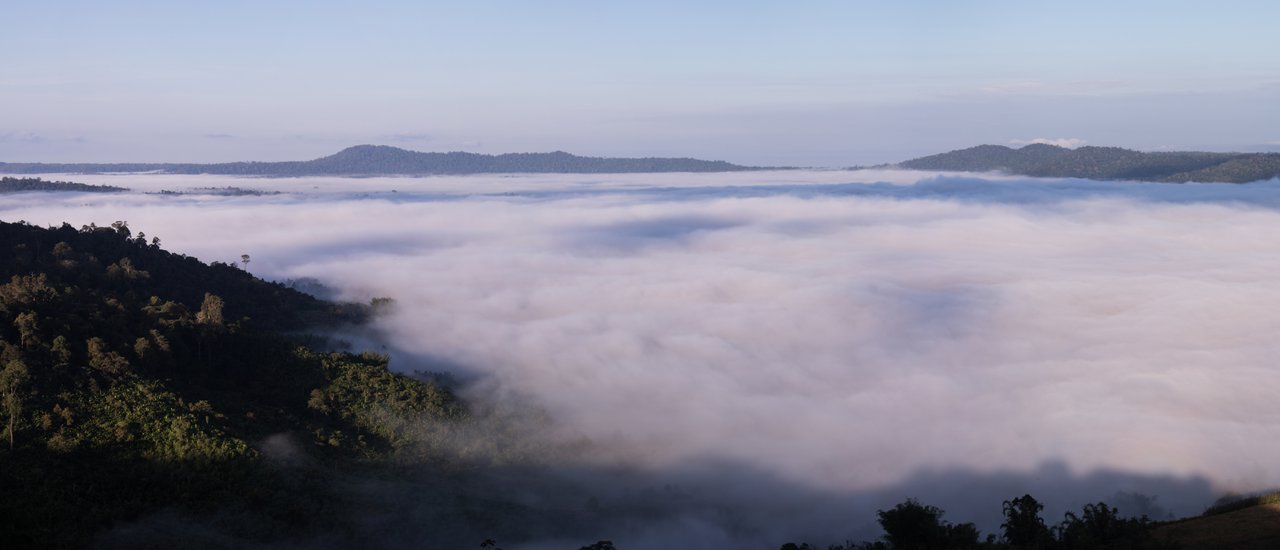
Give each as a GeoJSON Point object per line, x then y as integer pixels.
{"type": "Point", "coordinates": [134, 381]}
{"type": "Point", "coordinates": [115, 259]}
{"type": "Point", "coordinates": [1106, 163]}
{"type": "Point", "coordinates": [371, 160]}
{"type": "Point", "coordinates": [20, 185]}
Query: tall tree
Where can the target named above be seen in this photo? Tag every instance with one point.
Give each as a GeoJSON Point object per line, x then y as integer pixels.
{"type": "Point", "coordinates": [27, 324]}
{"type": "Point", "coordinates": [1023, 526]}
{"type": "Point", "coordinates": [13, 378]}
{"type": "Point", "coordinates": [210, 311]}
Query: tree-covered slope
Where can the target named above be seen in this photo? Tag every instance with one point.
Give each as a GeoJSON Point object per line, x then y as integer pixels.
{"type": "Point", "coordinates": [21, 185]}
{"type": "Point", "coordinates": [364, 160]}
{"type": "Point", "coordinates": [133, 381]}
{"type": "Point", "coordinates": [1106, 163]}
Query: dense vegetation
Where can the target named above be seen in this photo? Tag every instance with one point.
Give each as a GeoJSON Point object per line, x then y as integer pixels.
{"type": "Point", "coordinates": [915, 526]}
{"type": "Point", "coordinates": [364, 160]}
{"type": "Point", "coordinates": [228, 191]}
{"type": "Point", "coordinates": [1234, 522]}
{"type": "Point", "coordinates": [1232, 503]}
{"type": "Point", "coordinates": [18, 185]}
{"type": "Point", "coordinates": [133, 380]}
{"type": "Point", "coordinates": [1106, 163]}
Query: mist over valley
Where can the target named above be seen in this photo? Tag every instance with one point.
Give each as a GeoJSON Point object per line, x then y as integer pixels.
{"type": "Point", "coordinates": [639, 275]}
{"type": "Point", "coordinates": [791, 351]}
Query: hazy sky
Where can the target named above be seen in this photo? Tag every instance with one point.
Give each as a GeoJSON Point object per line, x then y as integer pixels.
{"type": "Point", "coordinates": [801, 83]}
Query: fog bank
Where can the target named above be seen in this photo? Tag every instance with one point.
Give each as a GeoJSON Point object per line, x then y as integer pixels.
{"type": "Point", "coordinates": [846, 333]}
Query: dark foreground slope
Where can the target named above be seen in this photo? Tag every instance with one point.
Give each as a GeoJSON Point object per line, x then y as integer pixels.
{"type": "Point", "coordinates": [1250, 528]}
{"type": "Point", "coordinates": [134, 381]}
{"type": "Point", "coordinates": [1106, 163]}
{"type": "Point", "coordinates": [371, 160]}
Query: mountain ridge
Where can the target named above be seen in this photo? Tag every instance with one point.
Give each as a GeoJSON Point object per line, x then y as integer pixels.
{"type": "Point", "coordinates": [1105, 163]}
{"type": "Point", "coordinates": [373, 160]}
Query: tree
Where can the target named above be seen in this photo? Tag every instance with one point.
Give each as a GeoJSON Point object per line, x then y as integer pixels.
{"type": "Point", "coordinates": [244, 259]}
{"type": "Point", "coordinates": [28, 325]}
{"type": "Point", "coordinates": [1100, 526]}
{"type": "Point", "coordinates": [318, 401]}
{"type": "Point", "coordinates": [124, 269]}
{"type": "Point", "coordinates": [12, 380]}
{"type": "Point", "coordinates": [1023, 526]}
{"type": "Point", "coordinates": [911, 525]}
{"type": "Point", "coordinates": [210, 311]}
{"type": "Point", "coordinates": [61, 351]}
{"type": "Point", "coordinates": [121, 227]}
{"type": "Point", "coordinates": [103, 359]}
{"type": "Point", "coordinates": [62, 250]}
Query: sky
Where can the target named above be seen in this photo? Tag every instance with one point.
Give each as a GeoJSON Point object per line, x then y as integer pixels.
{"type": "Point", "coordinates": [761, 83]}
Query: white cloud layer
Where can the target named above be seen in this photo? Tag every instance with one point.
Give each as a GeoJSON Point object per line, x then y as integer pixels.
{"type": "Point", "coordinates": [838, 333]}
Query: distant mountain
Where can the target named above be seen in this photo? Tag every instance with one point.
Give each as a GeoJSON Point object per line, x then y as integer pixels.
{"type": "Point", "coordinates": [1106, 163]}
{"type": "Point", "coordinates": [373, 160]}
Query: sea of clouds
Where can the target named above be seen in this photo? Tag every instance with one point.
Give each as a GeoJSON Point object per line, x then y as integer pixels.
{"type": "Point", "coordinates": [843, 338]}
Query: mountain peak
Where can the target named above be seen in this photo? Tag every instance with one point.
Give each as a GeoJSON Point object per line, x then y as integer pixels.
{"type": "Point", "coordinates": [1042, 147]}
{"type": "Point", "coordinates": [365, 150]}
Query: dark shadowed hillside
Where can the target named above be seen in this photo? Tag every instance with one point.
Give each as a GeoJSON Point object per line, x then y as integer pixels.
{"type": "Point", "coordinates": [135, 381]}
{"type": "Point", "coordinates": [1106, 163]}
{"type": "Point", "coordinates": [367, 160]}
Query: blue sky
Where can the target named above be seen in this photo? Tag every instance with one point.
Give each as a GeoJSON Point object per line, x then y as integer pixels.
{"type": "Point", "coordinates": [797, 83]}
